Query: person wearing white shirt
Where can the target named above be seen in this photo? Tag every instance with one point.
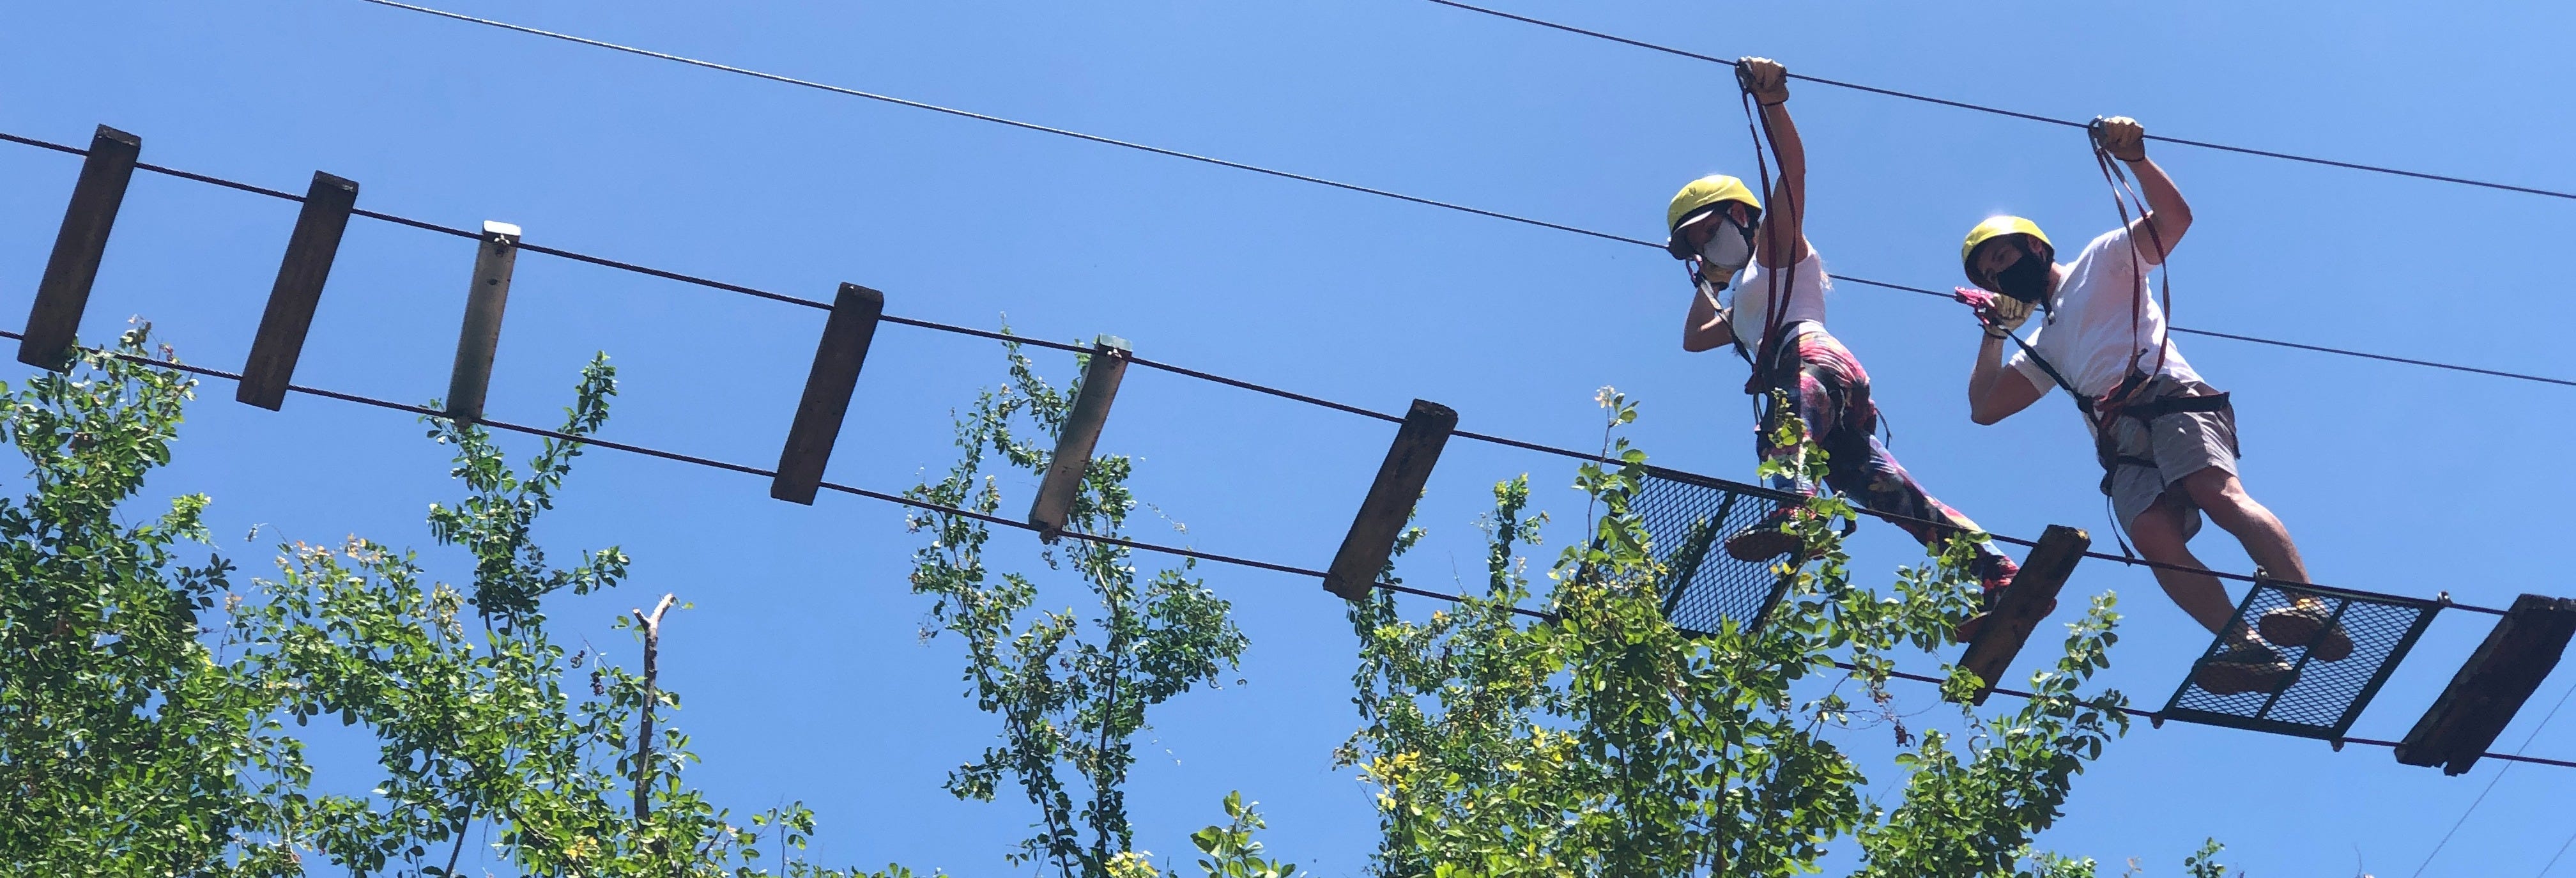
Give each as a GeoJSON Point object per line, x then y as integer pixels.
{"type": "Point", "coordinates": [2165, 438]}
{"type": "Point", "coordinates": [1775, 320]}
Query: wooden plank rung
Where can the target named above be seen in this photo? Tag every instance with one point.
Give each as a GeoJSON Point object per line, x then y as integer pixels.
{"type": "Point", "coordinates": [1081, 433]}
{"type": "Point", "coordinates": [2023, 605]}
{"type": "Point", "coordinates": [837, 358]}
{"type": "Point", "coordinates": [487, 295]}
{"type": "Point", "coordinates": [63, 294]}
{"type": "Point", "coordinates": [300, 277]}
{"type": "Point", "coordinates": [2492, 685]}
{"type": "Point", "coordinates": [1390, 500]}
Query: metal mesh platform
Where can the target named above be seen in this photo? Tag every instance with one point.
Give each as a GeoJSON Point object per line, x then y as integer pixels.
{"type": "Point", "coordinates": [2318, 698]}
{"type": "Point", "coordinates": [1688, 519]}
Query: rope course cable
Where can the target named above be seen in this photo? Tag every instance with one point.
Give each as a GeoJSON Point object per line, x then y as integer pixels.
{"type": "Point", "coordinates": [998, 120]}
{"type": "Point", "coordinates": [1384, 193]}
{"type": "Point", "coordinates": [2016, 114]}
{"type": "Point", "coordinates": [2492, 781]}
{"type": "Point", "coordinates": [2553, 858]}
{"type": "Point", "coordinates": [1754, 490]}
{"type": "Point", "coordinates": [925, 505]}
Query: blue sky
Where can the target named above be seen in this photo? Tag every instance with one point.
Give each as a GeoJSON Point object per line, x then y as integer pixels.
{"type": "Point", "coordinates": [801, 662]}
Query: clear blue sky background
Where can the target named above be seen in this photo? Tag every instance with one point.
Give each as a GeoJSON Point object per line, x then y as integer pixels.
{"type": "Point", "coordinates": [802, 666]}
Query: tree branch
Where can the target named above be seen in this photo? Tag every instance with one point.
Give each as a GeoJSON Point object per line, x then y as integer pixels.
{"type": "Point", "coordinates": [652, 695]}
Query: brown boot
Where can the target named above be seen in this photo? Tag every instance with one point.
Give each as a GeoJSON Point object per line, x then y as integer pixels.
{"type": "Point", "coordinates": [2306, 622]}
{"type": "Point", "coordinates": [2246, 667]}
{"type": "Point", "coordinates": [1775, 535]}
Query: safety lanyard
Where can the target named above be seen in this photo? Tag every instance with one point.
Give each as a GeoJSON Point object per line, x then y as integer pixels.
{"type": "Point", "coordinates": [2123, 194]}
{"type": "Point", "coordinates": [1777, 281]}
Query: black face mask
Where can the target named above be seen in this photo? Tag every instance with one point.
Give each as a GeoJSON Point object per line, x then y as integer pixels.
{"type": "Point", "coordinates": [2026, 279]}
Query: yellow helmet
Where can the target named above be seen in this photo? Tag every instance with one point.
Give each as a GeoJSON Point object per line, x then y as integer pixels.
{"type": "Point", "coordinates": [1997, 227]}
{"type": "Point", "coordinates": [1701, 194]}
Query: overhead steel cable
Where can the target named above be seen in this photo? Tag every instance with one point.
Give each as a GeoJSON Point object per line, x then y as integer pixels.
{"type": "Point", "coordinates": [1753, 490]}
{"type": "Point", "coordinates": [1999, 111]}
{"type": "Point", "coordinates": [2553, 858]}
{"type": "Point", "coordinates": [987, 518]}
{"type": "Point", "coordinates": [998, 120]}
{"type": "Point", "coordinates": [2269, 341]}
{"type": "Point", "coordinates": [2491, 784]}
{"type": "Point", "coordinates": [1369, 190]}
{"type": "Point", "coordinates": [810, 303]}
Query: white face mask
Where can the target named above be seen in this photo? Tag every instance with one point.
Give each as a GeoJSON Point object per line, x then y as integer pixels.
{"type": "Point", "coordinates": [1728, 250]}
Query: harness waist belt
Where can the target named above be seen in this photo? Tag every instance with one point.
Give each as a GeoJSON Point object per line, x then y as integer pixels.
{"type": "Point", "coordinates": [2157, 408]}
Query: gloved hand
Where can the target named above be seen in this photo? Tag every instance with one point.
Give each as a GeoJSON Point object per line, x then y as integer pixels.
{"type": "Point", "coordinates": [1764, 79]}
{"type": "Point", "coordinates": [1999, 314]}
{"type": "Point", "coordinates": [2122, 137]}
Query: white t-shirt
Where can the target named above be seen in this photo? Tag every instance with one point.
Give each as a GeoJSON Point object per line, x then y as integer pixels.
{"type": "Point", "coordinates": [2090, 338]}
{"type": "Point", "coordinates": [1807, 284]}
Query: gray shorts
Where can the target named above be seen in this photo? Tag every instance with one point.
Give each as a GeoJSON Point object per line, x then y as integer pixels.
{"type": "Point", "coordinates": [2180, 443]}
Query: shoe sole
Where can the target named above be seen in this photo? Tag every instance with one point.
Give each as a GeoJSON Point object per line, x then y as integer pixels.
{"type": "Point", "coordinates": [2292, 626]}
{"type": "Point", "coordinates": [1760, 545]}
{"type": "Point", "coordinates": [2229, 678]}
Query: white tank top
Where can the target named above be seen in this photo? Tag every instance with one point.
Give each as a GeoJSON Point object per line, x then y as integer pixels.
{"type": "Point", "coordinates": [1806, 300]}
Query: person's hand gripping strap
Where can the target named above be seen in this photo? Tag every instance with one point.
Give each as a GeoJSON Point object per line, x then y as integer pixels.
{"type": "Point", "coordinates": [1764, 79]}
{"type": "Point", "coordinates": [1999, 314]}
{"type": "Point", "coordinates": [2120, 136]}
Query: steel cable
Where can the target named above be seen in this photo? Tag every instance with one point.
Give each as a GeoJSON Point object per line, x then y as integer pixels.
{"type": "Point", "coordinates": [1739, 487]}
{"type": "Point", "coordinates": [1021, 525]}
{"type": "Point", "coordinates": [1446, 205]}
{"type": "Point", "coordinates": [2016, 114]}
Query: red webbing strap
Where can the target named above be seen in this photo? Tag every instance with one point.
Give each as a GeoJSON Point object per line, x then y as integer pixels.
{"type": "Point", "coordinates": [2118, 180]}
{"type": "Point", "coordinates": [1776, 296]}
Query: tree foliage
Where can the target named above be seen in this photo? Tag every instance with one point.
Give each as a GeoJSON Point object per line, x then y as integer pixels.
{"type": "Point", "coordinates": [1071, 693]}
{"type": "Point", "coordinates": [1600, 740]}
{"type": "Point", "coordinates": [125, 746]}
{"type": "Point", "coordinates": [154, 713]}
{"type": "Point", "coordinates": [141, 739]}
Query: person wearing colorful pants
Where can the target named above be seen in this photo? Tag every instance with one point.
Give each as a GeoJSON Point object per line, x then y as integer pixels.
{"type": "Point", "coordinates": [1775, 320]}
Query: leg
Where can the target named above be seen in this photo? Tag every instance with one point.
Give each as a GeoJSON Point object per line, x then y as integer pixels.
{"type": "Point", "coordinates": [2158, 532]}
{"type": "Point", "coordinates": [1865, 471]}
{"type": "Point", "coordinates": [1811, 399]}
{"type": "Point", "coordinates": [2218, 492]}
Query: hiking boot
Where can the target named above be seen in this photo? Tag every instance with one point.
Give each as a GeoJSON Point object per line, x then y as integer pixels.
{"type": "Point", "coordinates": [1775, 535]}
{"type": "Point", "coordinates": [2245, 667]}
{"type": "Point", "coordinates": [2306, 622]}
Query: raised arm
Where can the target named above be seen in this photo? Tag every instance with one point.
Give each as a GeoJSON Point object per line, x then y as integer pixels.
{"type": "Point", "coordinates": [1785, 219]}
{"type": "Point", "coordinates": [2168, 216]}
{"type": "Point", "coordinates": [1997, 391]}
{"type": "Point", "coordinates": [1706, 326]}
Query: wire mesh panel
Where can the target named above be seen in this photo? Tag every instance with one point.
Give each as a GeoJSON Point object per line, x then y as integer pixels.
{"type": "Point", "coordinates": [1688, 519]}
{"type": "Point", "coordinates": [2328, 652]}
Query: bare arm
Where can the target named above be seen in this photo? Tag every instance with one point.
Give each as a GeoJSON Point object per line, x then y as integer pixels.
{"type": "Point", "coordinates": [1996, 391]}
{"type": "Point", "coordinates": [2168, 216]}
{"type": "Point", "coordinates": [1707, 325]}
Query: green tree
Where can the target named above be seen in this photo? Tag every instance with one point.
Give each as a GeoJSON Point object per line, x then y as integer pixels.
{"type": "Point", "coordinates": [1071, 693]}
{"type": "Point", "coordinates": [488, 721]}
{"type": "Point", "coordinates": [1603, 741]}
{"type": "Point", "coordinates": [126, 747]}
{"type": "Point", "coordinates": [136, 741]}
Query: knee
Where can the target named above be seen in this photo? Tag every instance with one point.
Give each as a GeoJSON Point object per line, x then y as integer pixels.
{"type": "Point", "coordinates": [2219, 492]}
{"type": "Point", "coordinates": [2158, 531]}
